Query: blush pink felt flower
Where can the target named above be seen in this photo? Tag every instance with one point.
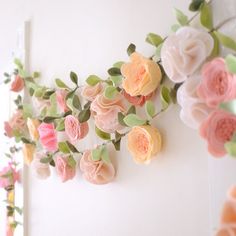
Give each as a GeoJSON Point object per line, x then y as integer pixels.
{"type": "Point", "coordinates": [106, 111]}
{"type": "Point", "coordinates": [11, 176]}
{"type": "Point", "coordinates": [8, 129]}
{"type": "Point", "coordinates": [96, 172]}
{"type": "Point", "coordinates": [74, 129]}
{"type": "Point", "coordinates": [48, 136]}
{"type": "Point", "coordinates": [61, 100]}
{"type": "Point", "coordinates": [64, 170]}
{"type": "Point", "coordinates": [91, 92]}
{"type": "Point", "coordinates": [18, 84]}
{"type": "Point", "coordinates": [217, 129]}
{"type": "Point", "coordinates": [217, 84]}
{"type": "Point", "coordinates": [184, 52]}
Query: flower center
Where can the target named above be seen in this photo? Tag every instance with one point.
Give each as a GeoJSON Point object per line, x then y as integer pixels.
{"type": "Point", "coordinates": [220, 84]}
{"type": "Point", "coordinates": [141, 71]}
{"type": "Point", "coordinates": [225, 129]}
{"type": "Point", "coordinates": [142, 144]}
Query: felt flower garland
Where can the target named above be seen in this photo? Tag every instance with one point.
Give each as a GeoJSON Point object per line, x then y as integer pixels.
{"type": "Point", "coordinates": [186, 67]}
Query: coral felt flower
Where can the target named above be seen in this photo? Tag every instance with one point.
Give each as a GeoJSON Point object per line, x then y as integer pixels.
{"type": "Point", "coordinates": [183, 52]}
{"type": "Point", "coordinates": [142, 75]}
{"type": "Point", "coordinates": [74, 129]}
{"type": "Point", "coordinates": [217, 84]}
{"type": "Point", "coordinates": [91, 92]}
{"type": "Point", "coordinates": [64, 170]}
{"type": "Point", "coordinates": [28, 150]}
{"type": "Point", "coordinates": [48, 136]}
{"type": "Point", "coordinates": [143, 143]}
{"type": "Point", "coordinates": [96, 172]}
{"type": "Point", "coordinates": [218, 129]}
{"type": "Point", "coordinates": [61, 100]}
{"type": "Point", "coordinates": [106, 111]}
{"type": "Point", "coordinates": [18, 84]}
{"type": "Point", "coordinates": [8, 176]}
{"type": "Point", "coordinates": [33, 125]}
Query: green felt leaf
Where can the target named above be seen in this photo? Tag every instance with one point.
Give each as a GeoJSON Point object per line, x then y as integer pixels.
{"type": "Point", "coordinates": [154, 39]}
{"type": "Point", "coordinates": [150, 108]}
{"type": "Point", "coordinates": [18, 210]}
{"type": "Point", "coordinates": [230, 147]}
{"type": "Point", "coordinates": [118, 64]}
{"type": "Point", "coordinates": [116, 80]}
{"type": "Point", "coordinates": [206, 16]}
{"type": "Point", "coordinates": [230, 61]}
{"type": "Point", "coordinates": [63, 147]}
{"type": "Point", "coordinates": [181, 17]}
{"type": "Point", "coordinates": [175, 27]}
{"type": "Point", "coordinates": [18, 63]}
{"type": "Point", "coordinates": [116, 144]}
{"type": "Point", "coordinates": [226, 40]}
{"type": "Point", "coordinates": [114, 71]}
{"type": "Point", "coordinates": [71, 161]}
{"type": "Point", "coordinates": [133, 120]}
{"type": "Point", "coordinates": [121, 117]}
{"type": "Point", "coordinates": [25, 140]}
{"type": "Point", "coordinates": [60, 125]}
{"type": "Point", "coordinates": [229, 106]}
{"type": "Point", "coordinates": [132, 110]}
{"type": "Point", "coordinates": [165, 97]}
{"type": "Point", "coordinates": [131, 49]}
{"type": "Point", "coordinates": [71, 147]}
{"type": "Point", "coordinates": [27, 111]}
{"type": "Point", "coordinates": [96, 154]}
{"type": "Point", "coordinates": [195, 5]}
{"type": "Point", "coordinates": [46, 160]}
{"type": "Point", "coordinates": [84, 115]}
{"type": "Point", "coordinates": [52, 110]}
{"type": "Point", "coordinates": [110, 92]}
{"type": "Point", "coordinates": [36, 75]}
{"type": "Point", "coordinates": [61, 84]}
{"type": "Point", "coordinates": [216, 49]}
{"type": "Point", "coordinates": [76, 103]}
{"type": "Point", "coordinates": [105, 155]}
{"type": "Point", "coordinates": [102, 134]}
{"type": "Point", "coordinates": [74, 77]}
{"type": "Point", "coordinates": [93, 80]}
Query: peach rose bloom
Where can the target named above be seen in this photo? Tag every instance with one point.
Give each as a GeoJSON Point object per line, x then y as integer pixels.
{"type": "Point", "coordinates": [228, 215]}
{"type": "Point", "coordinates": [91, 92]}
{"type": "Point", "coordinates": [15, 176]}
{"type": "Point", "coordinates": [217, 84]}
{"type": "Point", "coordinates": [218, 129]}
{"type": "Point", "coordinates": [28, 150]}
{"type": "Point", "coordinates": [143, 143]}
{"type": "Point", "coordinates": [74, 129]}
{"type": "Point", "coordinates": [183, 52]}
{"type": "Point", "coordinates": [33, 125]}
{"type": "Point", "coordinates": [61, 100]}
{"type": "Point", "coordinates": [96, 172]}
{"type": "Point", "coordinates": [105, 112]}
{"type": "Point", "coordinates": [64, 170]}
{"type": "Point", "coordinates": [48, 136]}
{"type": "Point", "coordinates": [142, 75]}
{"type": "Point", "coordinates": [42, 170]}
{"type": "Point", "coordinates": [18, 84]}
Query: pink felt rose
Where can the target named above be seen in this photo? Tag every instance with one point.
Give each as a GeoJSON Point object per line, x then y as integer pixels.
{"type": "Point", "coordinates": [8, 129]}
{"type": "Point", "coordinates": [42, 170]}
{"type": "Point", "coordinates": [217, 84]}
{"type": "Point", "coordinates": [48, 136]}
{"type": "Point", "coordinates": [18, 84]}
{"type": "Point", "coordinates": [74, 129]}
{"type": "Point", "coordinates": [61, 100]}
{"type": "Point", "coordinates": [193, 109]}
{"type": "Point", "coordinates": [137, 100]}
{"type": "Point", "coordinates": [64, 170]}
{"type": "Point", "coordinates": [106, 111]}
{"type": "Point", "coordinates": [91, 92]}
{"type": "Point", "coordinates": [11, 176]}
{"type": "Point", "coordinates": [96, 172]}
{"type": "Point", "coordinates": [217, 129]}
{"type": "Point", "coordinates": [184, 52]}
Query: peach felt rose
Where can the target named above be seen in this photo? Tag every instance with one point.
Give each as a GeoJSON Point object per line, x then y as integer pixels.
{"type": "Point", "coordinates": [33, 125]}
{"type": "Point", "coordinates": [217, 84]}
{"type": "Point", "coordinates": [96, 172]}
{"type": "Point", "coordinates": [183, 52]}
{"type": "Point", "coordinates": [16, 123]}
{"type": "Point", "coordinates": [11, 178]}
{"type": "Point", "coordinates": [143, 143]}
{"type": "Point", "coordinates": [106, 111]}
{"type": "Point", "coordinates": [91, 92]}
{"type": "Point", "coordinates": [48, 136]}
{"type": "Point", "coordinates": [218, 129]}
{"type": "Point", "coordinates": [137, 100]}
{"type": "Point", "coordinates": [61, 100]}
{"type": "Point", "coordinates": [18, 84]}
{"type": "Point", "coordinates": [74, 129]}
{"type": "Point", "coordinates": [142, 75]}
{"type": "Point", "coordinates": [28, 150]}
{"type": "Point", "coordinates": [64, 170]}
{"type": "Point", "coordinates": [193, 110]}
{"type": "Point", "coordinates": [228, 215]}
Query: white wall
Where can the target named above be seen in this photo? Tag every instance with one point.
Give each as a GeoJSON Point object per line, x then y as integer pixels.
{"type": "Point", "coordinates": [167, 198]}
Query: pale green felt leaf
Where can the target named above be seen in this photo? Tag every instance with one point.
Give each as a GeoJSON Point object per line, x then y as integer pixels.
{"type": "Point", "coordinates": [206, 16]}
{"type": "Point", "coordinates": [110, 92]}
{"type": "Point", "coordinates": [102, 134]}
{"type": "Point", "coordinates": [229, 106]}
{"type": "Point", "coordinates": [230, 61]}
{"type": "Point", "coordinates": [226, 40]}
{"type": "Point", "coordinates": [154, 39]}
{"type": "Point", "coordinates": [150, 108]}
{"type": "Point", "coordinates": [181, 17]}
{"type": "Point", "coordinates": [93, 80]}
{"type": "Point", "coordinates": [133, 120]}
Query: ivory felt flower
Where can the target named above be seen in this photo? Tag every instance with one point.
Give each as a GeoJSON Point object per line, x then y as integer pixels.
{"type": "Point", "coordinates": [91, 92]}
{"type": "Point", "coordinates": [144, 142]}
{"type": "Point", "coordinates": [105, 112]}
{"type": "Point", "coordinates": [64, 170]}
{"type": "Point", "coordinates": [183, 52]}
{"type": "Point", "coordinates": [142, 75]}
{"type": "Point", "coordinates": [218, 129]}
{"type": "Point", "coordinates": [193, 109]}
{"type": "Point", "coordinates": [48, 137]}
{"type": "Point", "coordinates": [217, 84]}
{"type": "Point", "coordinates": [96, 172]}
{"type": "Point", "coordinates": [28, 150]}
{"type": "Point", "coordinates": [74, 129]}
{"type": "Point", "coordinates": [18, 84]}
{"type": "Point", "coordinates": [33, 125]}
{"type": "Point", "coordinates": [61, 100]}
